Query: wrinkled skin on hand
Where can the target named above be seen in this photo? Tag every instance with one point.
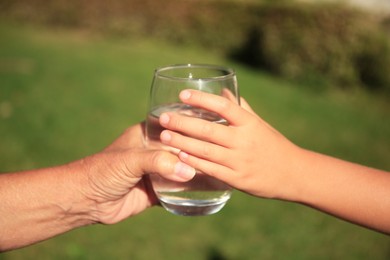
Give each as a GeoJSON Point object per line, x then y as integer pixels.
{"type": "Point", "coordinates": [117, 177]}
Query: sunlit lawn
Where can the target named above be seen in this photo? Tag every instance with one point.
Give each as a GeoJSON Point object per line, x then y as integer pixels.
{"type": "Point", "coordinates": [66, 94]}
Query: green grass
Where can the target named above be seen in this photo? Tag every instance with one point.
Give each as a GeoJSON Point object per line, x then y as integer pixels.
{"type": "Point", "coordinates": [66, 94]}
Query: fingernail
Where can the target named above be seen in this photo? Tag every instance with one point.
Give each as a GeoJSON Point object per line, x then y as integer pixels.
{"type": "Point", "coordinates": [185, 94]}
{"type": "Point", "coordinates": [165, 136]}
{"type": "Point", "coordinates": [164, 119]}
{"type": "Point", "coordinates": [183, 156]}
{"type": "Point", "coordinates": [184, 171]}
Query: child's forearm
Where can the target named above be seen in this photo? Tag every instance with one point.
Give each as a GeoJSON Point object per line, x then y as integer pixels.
{"type": "Point", "coordinates": [350, 191]}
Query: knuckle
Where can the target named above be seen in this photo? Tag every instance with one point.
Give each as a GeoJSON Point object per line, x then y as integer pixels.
{"type": "Point", "coordinates": [193, 161]}
{"type": "Point", "coordinates": [224, 104]}
{"type": "Point", "coordinates": [159, 160]}
{"type": "Point", "coordinates": [201, 97]}
{"type": "Point", "coordinates": [207, 129]}
{"type": "Point", "coordinates": [177, 123]}
{"type": "Point", "coordinates": [196, 163]}
{"type": "Point", "coordinates": [207, 151]}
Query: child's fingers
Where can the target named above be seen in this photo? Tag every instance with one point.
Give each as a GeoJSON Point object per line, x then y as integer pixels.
{"type": "Point", "coordinates": [198, 128]}
{"type": "Point", "coordinates": [198, 148]}
{"type": "Point", "coordinates": [218, 171]}
{"type": "Point", "coordinates": [227, 109]}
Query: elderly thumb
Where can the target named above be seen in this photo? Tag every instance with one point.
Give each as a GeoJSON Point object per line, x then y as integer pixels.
{"type": "Point", "coordinates": [166, 165]}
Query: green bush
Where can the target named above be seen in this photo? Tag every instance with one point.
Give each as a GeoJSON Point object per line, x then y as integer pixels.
{"type": "Point", "coordinates": [342, 46]}
{"type": "Point", "coordinates": [313, 43]}
{"type": "Point", "coordinates": [373, 62]}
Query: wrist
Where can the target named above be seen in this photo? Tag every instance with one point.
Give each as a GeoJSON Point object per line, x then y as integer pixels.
{"type": "Point", "coordinates": [308, 178]}
{"type": "Point", "coordinates": [294, 179]}
{"type": "Point", "coordinates": [80, 208]}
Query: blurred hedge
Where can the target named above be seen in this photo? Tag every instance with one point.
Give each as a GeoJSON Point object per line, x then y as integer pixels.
{"type": "Point", "coordinates": [320, 44]}
{"type": "Point", "coordinates": [341, 45]}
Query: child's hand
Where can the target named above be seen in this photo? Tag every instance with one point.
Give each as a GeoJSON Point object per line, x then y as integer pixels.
{"type": "Point", "coordinates": [252, 156]}
{"type": "Point", "coordinates": [248, 154]}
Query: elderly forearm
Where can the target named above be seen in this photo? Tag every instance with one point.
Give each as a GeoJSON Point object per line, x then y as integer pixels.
{"type": "Point", "coordinates": [39, 204]}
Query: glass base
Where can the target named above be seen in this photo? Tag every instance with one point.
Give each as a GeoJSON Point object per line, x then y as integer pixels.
{"type": "Point", "coordinates": [192, 208]}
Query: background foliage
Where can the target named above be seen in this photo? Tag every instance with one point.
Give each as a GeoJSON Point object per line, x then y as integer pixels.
{"type": "Point", "coordinates": [316, 44]}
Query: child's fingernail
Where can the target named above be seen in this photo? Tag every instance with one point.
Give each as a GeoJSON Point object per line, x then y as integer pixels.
{"type": "Point", "coordinates": [164, 119]}
{"type": "Point", "coordinates": [185, 94]}
{"type": "Point", "coordinates": [165, 136]}
{"type": "Point", "coordinates": [184, 171]}
{"type": "Point", "coordinates": [183, 156]}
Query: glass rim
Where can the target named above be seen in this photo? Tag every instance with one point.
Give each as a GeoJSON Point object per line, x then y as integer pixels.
{"type": "Point", "coordinates": [229, 71]}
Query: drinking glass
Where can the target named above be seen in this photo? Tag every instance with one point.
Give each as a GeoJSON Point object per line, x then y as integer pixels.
{"type": "Point", "coordinates": [203, 195]}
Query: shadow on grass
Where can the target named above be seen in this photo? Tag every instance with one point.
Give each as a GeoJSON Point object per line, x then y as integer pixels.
{"type": "Point", "coordinates": [215, 254]}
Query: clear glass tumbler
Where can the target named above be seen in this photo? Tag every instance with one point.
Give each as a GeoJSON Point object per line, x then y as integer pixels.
{"type": "Point", "coordinates": [203, 195]}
